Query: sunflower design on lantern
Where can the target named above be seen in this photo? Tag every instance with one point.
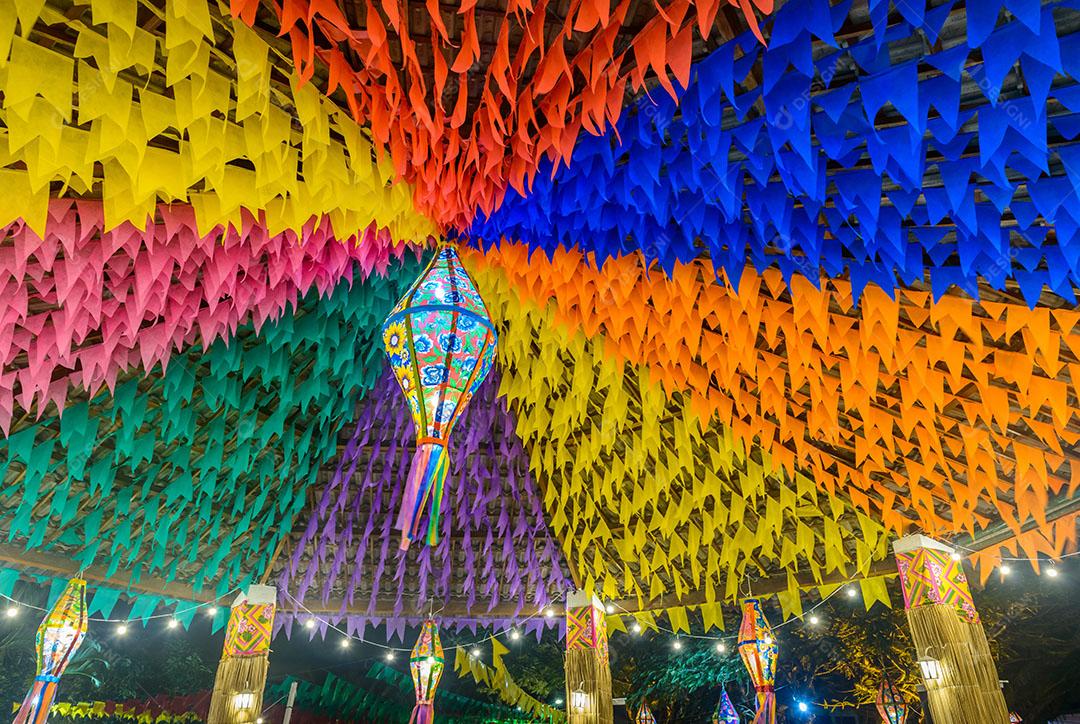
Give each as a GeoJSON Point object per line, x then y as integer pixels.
{"type": "Point", "coordinates": [441, 344]}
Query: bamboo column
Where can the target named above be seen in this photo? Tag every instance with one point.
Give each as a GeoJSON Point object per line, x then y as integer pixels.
{"type": "Point", "coordinates": [588, 672]}
{"type": "Point", "coordinates": [245, 659]}
{"type": "Point", "coordinates": [961, 680]}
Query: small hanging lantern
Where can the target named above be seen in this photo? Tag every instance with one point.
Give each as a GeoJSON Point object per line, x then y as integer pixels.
{"type": "Point", "coordinates": [725, 711]}
{"type": "Point", "coordinates": [758, 650]}
{"type": "Point", "coordinates": [58, 638]}
{"type": "Point", "coordinates": [644, 715]}
{"type": "Point", "coordinates": [441, 345]}
{"type": "Point", "coordinates": [426, 666]}
{"type": "Point", "coordinates": [890, 704]}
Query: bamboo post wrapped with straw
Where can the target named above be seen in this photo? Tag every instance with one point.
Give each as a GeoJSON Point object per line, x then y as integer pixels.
{"type": "Point", "coordinates": [588, 671]}
{"type": "Point", "coordinates": [961, 680]}
{"type": "Point", "coordinates": [245, 659]}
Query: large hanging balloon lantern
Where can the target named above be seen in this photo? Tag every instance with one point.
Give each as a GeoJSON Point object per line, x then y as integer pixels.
{"type": "Point", "coordinates": [758, 650]}
{"type": "Point", "coordinates": [426, 666]}
{"type": "Point", "coordinates": [725, 711]}
{"type": "Point", "coordinates": [890, 704]}
{"type": "Point", "coordinates": [644, 715]}
{"type": "Point", "coordinates": [441, 345]}
{"type": "Point", "coordinates": [58, 638]}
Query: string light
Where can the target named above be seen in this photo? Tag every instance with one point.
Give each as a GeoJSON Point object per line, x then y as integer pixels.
{"type": "Point", "coordinates": [677, 645]}
{"type": "Point", "coordinates": [514, 635]}
{"type": "Point", "coordinates": [1004, 569]}
{"type": "Point", "coordinates": [558, 702]}
{"type": "Point", "coordinates": [309, 624]}
{"type": "Point", "coordinates": [768, 640]}
{"type": "Point", "coordinates": [12, 611]}
{"type": "Point", "coordinates": [636, 628]}
{"type": "Point", "coordinates": [956, 556]}
{"type": "Point", "coordinates": [851, 592]}
{"type": "Point", "coordinates": [121, 630]}
{"type": "Point", "coordinates": [548, 613]}
{"type": "Point", "coordinates": [475, 653]}
{"type": "Point", "coordinates": [211, 610]}
{"type": "Point", "coordinates": [1052, 571]}
{"type": "Point", "coordinates": [344, 643]}
{"type": "Point", "coordinates": [173, 623]}
{"type": "Point", "coordinates": [609, 609]}
{"type": "Point", "coordinates": [720, 647]}
{"type": "Point", "coordinates": [814, 620]}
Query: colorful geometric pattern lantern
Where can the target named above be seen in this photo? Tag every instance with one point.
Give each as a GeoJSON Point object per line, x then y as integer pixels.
{"type": "Point", "coordinates": [441, 344]}
{"type": "Point", "coordinates": [426, 667]}
{"type": "Point", "coordinates": [932, 576]}
{"type": "Point", "coordinates": [758, 650]}
{"type": "Point", "coordinates": [890, 704]}
{"type": "Point", "coordinates": [725, 711]}
{"type": "Point", "coordinates": [58, 638]}
{"type": "Point", "coordinates": [644, 715]}
{"type": "Point", "coordinates": [245, 658]}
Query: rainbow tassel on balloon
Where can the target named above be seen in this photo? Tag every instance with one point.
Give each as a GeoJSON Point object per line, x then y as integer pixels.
{"type": "Point", "coordinates": [426, 667]}
{"type": "Point", "coordinates": [58, 638]}
{"type": "Point", "coordinates": [441, 345]}
{"type": "Point", "coordinates": [758, 650]}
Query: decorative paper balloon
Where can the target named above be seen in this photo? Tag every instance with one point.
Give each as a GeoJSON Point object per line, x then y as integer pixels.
{"type": "Point", "coordinates": [890, 704]}
{"type": "Point", "coordinates": [644, 715]}
{"type": "Point", "coordinates": [758, 650]}
{"type": "Point", "coordinates": [725, 711]}
{"type": "Point", "coordinates": [426, 667]}
{"type": "Point", "coordinates": [58, 638]}
{"type": "Point", "coordinates": [441, 345]}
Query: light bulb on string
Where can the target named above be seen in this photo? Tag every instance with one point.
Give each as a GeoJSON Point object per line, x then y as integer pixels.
{"type": "Point", "coordinates": [814, 620]}
{"type": "Point", "coordinates": [609, 609]}
{"type": "Point", "coordinates": [514, 634]}
{"type": "Point", "coordinates": [1052, 571]}
{"type": "Point", "coordinates": [122, 629]}
{"type": "Point", "coordinates": [720, 647]}
{"type": "Point", "coordinates": [1004, 569]}
{"type": "Point", "coordinates": [851, 592]}
{"type": "Point", "coordinates": [636, 628]}
{"type": "Point", "coordinates": [172, 623]}
{"type": "Point", "coordinates": [345, 643]}
{"type": "Point", "coordinates": [310, 623]}
{"type": "Point", "coordinates": [956, 556]}
{"type": "Point", "coordinates": [677, 645]}
{"type": "Point", "coordinates": [12, 611]}
{"type": "Point", "coordinates": [475, 653]}
{"type": "Point", "coordinates": [211, 610]}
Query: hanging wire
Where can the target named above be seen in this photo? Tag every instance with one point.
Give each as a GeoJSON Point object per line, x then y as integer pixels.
{"type": "Point", "coordinates": [151, 617]}
{"type": "Point", "coordinates": [393, 649]}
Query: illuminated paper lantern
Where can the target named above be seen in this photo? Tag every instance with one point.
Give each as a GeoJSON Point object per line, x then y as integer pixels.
{"type": "Point", "coordinates": [644, 715]}
{"type": "Point", "coordinates": [758, 650]}
{"type": "Point", "coordinates": [441, 345]}
{"type": "Point", "coordinates": [890, 704]}
{"type": "Point", "coordinates": [58, 638]}
{"type": "Point", "coordinates": [725, 711]}
{"type": "Point", "coordinates": [426, 666]}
